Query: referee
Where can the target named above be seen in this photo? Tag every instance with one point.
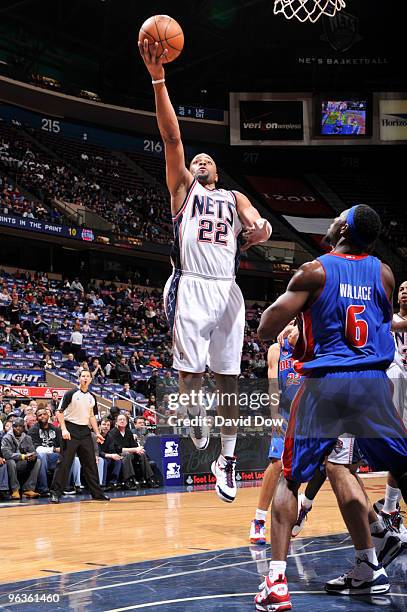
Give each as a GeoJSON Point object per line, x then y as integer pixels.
{"type": "Point", "coordinates": [75, 413]}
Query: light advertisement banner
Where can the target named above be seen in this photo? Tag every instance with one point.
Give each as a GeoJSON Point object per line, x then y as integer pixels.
{"type": "Point", "coordinates": [393, 119]}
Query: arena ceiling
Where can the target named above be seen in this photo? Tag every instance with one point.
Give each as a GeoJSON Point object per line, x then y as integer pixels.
{"type": "Point", "coordinates": [231, 45]}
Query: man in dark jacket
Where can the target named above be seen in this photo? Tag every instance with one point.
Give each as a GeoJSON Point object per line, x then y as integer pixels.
{"type": "Point", "coordinates": [123, 443]}
{"type": "Point", "coordinates": [47, 440]}
{"type": "Point", "coordinates": [19, 452]}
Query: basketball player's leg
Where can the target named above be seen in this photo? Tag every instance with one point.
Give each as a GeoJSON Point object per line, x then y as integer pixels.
{"type": "Point", "coordinates": [191, 407]}
{"type": "Point", "coordinates": [224, 360]}
{"type": "Point", "coordinates": [189, 311]}
{"type": "Point", "coordinates": [225, 467]}
{"type": "Point", "coordinates": [386, 542]}
{"type": "Point", "coordinates": [257, 534]}
{"type": "Point", "coordinates": [303, 455]}
{"type": "Point", "coordinates": [352, 504]}
{"type": "Point", "coordinates": [389, 505]}
{"type": "Point", "coordinates": [384, 440]}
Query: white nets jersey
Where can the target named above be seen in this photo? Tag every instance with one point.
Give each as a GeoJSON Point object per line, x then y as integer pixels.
{"type": "Point", "coordinates": [400, 340]}
{"type": "Point", "coordinates": [206, 231]}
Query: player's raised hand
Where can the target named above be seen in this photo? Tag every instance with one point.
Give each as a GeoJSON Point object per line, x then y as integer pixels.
{"type": "Point", "coordinates": [153, 59]}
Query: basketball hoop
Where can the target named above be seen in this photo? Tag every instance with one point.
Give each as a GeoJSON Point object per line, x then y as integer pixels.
{"type": "Point", "coordinates": [308, 10]}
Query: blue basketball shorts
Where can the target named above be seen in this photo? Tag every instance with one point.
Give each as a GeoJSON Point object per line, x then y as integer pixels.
{"type": "Point", "coordinates": [277, 441]}
{"type": "Point", "coordinates": [331, 403]}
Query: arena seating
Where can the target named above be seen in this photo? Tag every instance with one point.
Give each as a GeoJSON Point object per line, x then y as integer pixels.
{"type": "Point", "coordinates": [133, 308]}
{"type": "Point", "coordinates": [377, 193]}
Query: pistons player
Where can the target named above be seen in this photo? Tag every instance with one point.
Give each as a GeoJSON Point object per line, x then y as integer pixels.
{"type": "Point", "coordinates": [344, 350]}
{"type": "Point", "coordinates": [203, 303]}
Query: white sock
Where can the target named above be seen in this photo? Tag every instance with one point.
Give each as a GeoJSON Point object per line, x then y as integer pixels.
{"type": "Point", "coordinates": [228, 445]}
{"type": "Point", "coordinates": [307, 503]}
{"type": "Point", "coordinates": [261, 515]}
{"type": "Point", "coordinates": [367, 554]}
{"type": "Point", "coordinates": [375, 527]}
{"type": "Point", "coordinates": [392, 497]}
{"type": "Point", "coordinates": [277, 568]}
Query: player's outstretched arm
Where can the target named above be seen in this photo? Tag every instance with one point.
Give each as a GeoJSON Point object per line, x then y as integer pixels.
{"type": "Point", "coordinates": [303, 288]}
{"type": "Point", "coordinates": [178, 176]}
{"type": "Point", "coordinates": [256, 229]}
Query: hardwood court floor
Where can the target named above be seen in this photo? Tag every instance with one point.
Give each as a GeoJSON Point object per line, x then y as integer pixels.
{"type": "Point", "coordinates": [39, 540]}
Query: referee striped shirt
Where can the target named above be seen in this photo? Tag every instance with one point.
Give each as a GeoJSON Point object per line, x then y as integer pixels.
{"type": "Point", "coordinates": [78, 407]}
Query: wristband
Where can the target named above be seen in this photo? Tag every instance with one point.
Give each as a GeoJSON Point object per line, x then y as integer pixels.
{"type": "Point", "coordinates": [22, 457]}
{"type": "Point", "coordinates": [158, 81]}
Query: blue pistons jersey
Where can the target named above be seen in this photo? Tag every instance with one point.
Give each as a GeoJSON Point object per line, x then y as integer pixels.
{"type": "Point", "coordinates": [288, 379]}
{"type": "Point", "coordinates": [348, 325]}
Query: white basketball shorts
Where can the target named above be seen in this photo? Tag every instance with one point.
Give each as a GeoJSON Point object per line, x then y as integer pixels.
{"type": "Point", "coordinates": [398, 377]}
{"type": "Point", "coordinates": [207, 319]}
{"type": "Point", "coordinates": [345, 452]}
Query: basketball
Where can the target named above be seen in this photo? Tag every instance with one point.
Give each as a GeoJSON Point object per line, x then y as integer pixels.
{"type": "Point", "coordinates": [167, 32]}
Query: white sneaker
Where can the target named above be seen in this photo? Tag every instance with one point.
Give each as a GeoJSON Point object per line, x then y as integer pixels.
{"type": "Point", "coordinates": [224, 469]}
{"type": "Point", "coordinates": [394, 522]}
{"type": "Point", "coordinates": [198, 430]}
{"type": "Point", "coordinates": [301, 517]}
{"type": "Point", "coordinates": [358, 581]}
{"type": "Point", "coordinates": [257, 532]}
{"type": "Point", "coordinates": [388, 545]}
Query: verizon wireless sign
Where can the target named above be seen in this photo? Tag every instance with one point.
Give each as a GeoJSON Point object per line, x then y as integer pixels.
{"type": "Point", "coordinates": [269, 120]}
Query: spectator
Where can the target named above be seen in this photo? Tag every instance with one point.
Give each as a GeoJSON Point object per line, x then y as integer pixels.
{"type": "Point", "coordinates": [70, 364]}
{"type": "Point", "coordinates": [19, 452]}
{"type": "Point", "coordinates": [47, 441]}
{"type": "Point", "coordinates": [107, 361]}
{"type": "Point", "coordinates": [123, 373]}
{"type": "Point", "coordinates": [152, 382]}
{"type": "Point", "coordinates": [76, 285]}
{"type": "Point", "coordinates": [97, 372]}
{"type": "Point", "coordinates": [53, 404]}
{"type": "Point", "coordinates": [29, 420]}
{"type": "Point", "coordinates": [168, 383]}
{"type": "Point", "coordinates": [7, 410]}
{"type": "Point", "coordinates": [40, 327]}
{"type": "Point", "coordinates": [4, 485]}
{"type": "Point", "coordinates": [76, 341]}
{"type": "Point", "coordinates": [128, 393]}
{"type": "Point", "coordinates": [49, 363]}
{"type": "Point", "coordinates": [154, 363]}
{"type": "Point", "coordinates": [115, 464]}
{"type": "Point", "coordinates": [123, 443]}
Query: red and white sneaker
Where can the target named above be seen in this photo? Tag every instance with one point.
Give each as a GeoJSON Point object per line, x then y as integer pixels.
{"type": "Point", "coordinates": [225, 471]}
{"type": "Point", "coordinates": [274, 597]}
{"type": "Point", "coordinates": [257, 532]}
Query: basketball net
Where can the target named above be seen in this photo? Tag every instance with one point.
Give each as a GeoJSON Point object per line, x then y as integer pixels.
{"type": "Point", "coordinates": [308, 10]}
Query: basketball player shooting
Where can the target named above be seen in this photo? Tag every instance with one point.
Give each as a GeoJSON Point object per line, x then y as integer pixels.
{"type": "Point", "coordinates": [203, 303]}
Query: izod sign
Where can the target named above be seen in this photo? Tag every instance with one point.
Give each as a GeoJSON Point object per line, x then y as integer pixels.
{"type": "Point", "coordinates": [393, 119]}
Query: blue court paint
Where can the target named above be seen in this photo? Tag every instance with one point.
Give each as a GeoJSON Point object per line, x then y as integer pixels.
{"type": "Point", "coordinates": [217, 581]}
